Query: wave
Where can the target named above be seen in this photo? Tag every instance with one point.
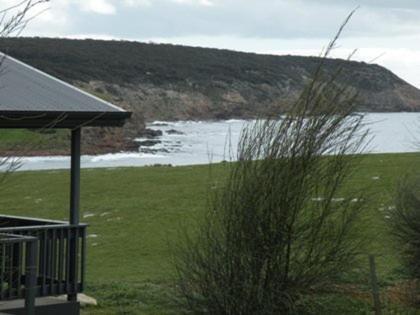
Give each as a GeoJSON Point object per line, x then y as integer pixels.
{"type": "Point", "coordinates": [158, 123]}
{"type": "Point", "coordinates": [235, 121]}
{"type": "Point", "coordinates": [123, 156]}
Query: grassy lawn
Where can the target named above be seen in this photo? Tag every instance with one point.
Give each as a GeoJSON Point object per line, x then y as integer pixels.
{"type": "Point", "coordinates": [24, 140]}
{"type": "Point", "coordinates": [137, 213]}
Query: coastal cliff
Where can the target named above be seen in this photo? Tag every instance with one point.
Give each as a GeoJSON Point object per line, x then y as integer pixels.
{"type": "Point", "coordinates": [170, 82]}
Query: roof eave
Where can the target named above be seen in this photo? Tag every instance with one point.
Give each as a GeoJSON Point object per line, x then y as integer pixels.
{"type": "Point", "coordinates": [53, 120]}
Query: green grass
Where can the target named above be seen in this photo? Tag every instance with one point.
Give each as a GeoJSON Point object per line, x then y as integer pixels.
{"type": "Point", "coordinates": [139, 212]}
{"type": "Point", "coordinates": [24, 140]}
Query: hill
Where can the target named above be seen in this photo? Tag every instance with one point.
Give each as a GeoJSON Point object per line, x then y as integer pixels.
{"type": "Point", "coordinates": [170, 82]}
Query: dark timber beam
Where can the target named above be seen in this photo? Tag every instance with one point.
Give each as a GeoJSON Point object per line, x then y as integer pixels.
{"type": "Point", "coordinates": [74, 207]}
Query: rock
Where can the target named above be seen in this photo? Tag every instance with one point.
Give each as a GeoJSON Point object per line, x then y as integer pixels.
{"type": "Point", "coordinates": [83, 299]}
{"type": "Point", "coordinates": [86, 300]}
{"type": "Point", "coordinates": [151, 133]}
{"type": "Point", "coordinates": [174, 132]}
{"type": "Point", "coordinates": [148, 143]}
{"type": "Point", "coordinates": [153, 151]}
{"type": "Point", "coordinates": [131, 145]}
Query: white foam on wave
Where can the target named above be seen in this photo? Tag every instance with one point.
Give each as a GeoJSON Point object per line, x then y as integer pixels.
{"type": "Point", "coordinates": [393, 132]}
{"type": "Point", "coordinates": [35, 159]}
{"type": "Point", "coordinates": [159, 123]}
{"type": "Point", "coordinates": [123, 156]}
{"type": "Point", "coordinates": [86, 158]}
{"type": "Point", "coordinates": [145, 139]}
{"type": "Point", "coordinates": [235, 121]}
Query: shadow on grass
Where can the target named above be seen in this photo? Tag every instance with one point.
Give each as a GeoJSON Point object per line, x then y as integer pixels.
{"type": "Point", "coordinates": [133, 298]}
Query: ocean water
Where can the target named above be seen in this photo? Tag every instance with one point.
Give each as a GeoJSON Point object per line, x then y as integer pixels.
{"type": "Point", "coordinates": [202, 142]}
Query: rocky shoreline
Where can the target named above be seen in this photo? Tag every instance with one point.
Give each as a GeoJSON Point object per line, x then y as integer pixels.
{"type": "Point", "coordinates": [92, 144]}
{"type": "Point", "coordinates": [95, 150]}
{"type": "Point", "coordinates": [155, 84]}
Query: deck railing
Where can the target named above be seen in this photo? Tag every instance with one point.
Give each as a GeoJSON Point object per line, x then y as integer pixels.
{"type": "Point", "coordinates": [18, 281]}
{"type": "Point", "coordinates": [61, 254]}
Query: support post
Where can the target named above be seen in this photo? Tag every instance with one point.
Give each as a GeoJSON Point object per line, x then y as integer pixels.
{"type": "Point", "coordinates": [31, 258]}
{"type": "Point", "coordinates": [374, 285]}
{"type": "Point", "coordinates": [75, 176]}
{"type": "Point", "coordinates": [74, 210]}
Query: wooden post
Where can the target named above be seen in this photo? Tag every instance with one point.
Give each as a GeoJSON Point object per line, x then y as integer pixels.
{"type": "Point", "coordinates": [75, 176]}
{"type": "Point", "coordinates": [30, 274]}
{"type": "Point", "coordinates": [374, 285]}
{"type": "Point", "coordinates": [74, 210]}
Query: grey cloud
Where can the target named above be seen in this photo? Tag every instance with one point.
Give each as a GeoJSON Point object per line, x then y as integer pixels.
{"type": "Point", "coordinates": [396, 4]}
{"type": "Point", "coordinates": [253, 18]}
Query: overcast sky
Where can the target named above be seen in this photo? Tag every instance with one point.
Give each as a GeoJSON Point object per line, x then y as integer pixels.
{"type": "Point", "coordinates": [385, 31]}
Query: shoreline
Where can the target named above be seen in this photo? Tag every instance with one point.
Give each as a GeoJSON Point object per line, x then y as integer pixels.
{"type": "Point", "coordinates": [165, 165]}
{"type": "Point", "coordinates": [129, 147]}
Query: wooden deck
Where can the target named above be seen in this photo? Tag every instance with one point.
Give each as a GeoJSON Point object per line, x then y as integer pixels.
{"type": "Point", "coordinates": [43, 306]}
{"type": "Point", "coordinates": [40, 258]}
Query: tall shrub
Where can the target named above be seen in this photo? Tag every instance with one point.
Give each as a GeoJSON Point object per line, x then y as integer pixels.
{"type": "Point", "coordinates": [405, 222]}
{"type": "Point", "coordinates": [279, 226]}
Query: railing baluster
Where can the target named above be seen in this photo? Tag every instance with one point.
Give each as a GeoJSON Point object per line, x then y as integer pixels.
{"type": "Point", "coordinates": [38, 233]}
{"type": "Point", "coordinates": [83, 258]}
{"type": "Point", "coordinates": [49, 275]}
{"type": "Point", "coordinates": [14, 264]}
{"type": "Point", "coordinates": [44, 262]}
{"type": "Point", "coordinates": [76, 260]}
{"type": "Point", "coordinates": [10, 262]}
{"type": "Point", "coordinates": [19, 267]}
{"type": "Point", "coordinates": [30, 276]}
{"type": "Point", "coordinates": [12, 250]}
{"type": "Point", "coordinates": [60, 261]}
{"type": "Point", "coordinates": [68, 288]}
{"type": "Point", "coordinates": [54, 262]}
{"type": "Point", "coordinates": [3, 270]}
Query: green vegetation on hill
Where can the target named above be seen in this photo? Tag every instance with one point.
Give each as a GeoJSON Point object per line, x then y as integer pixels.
{"type": "Point", "coordinates": [123, 62]}
{"type": "Point", "coordinates": [138, 213]}
{"type": "Point", "coordinates": [172, 82]}
{"type": "Point", "coordinates": [162, 81]}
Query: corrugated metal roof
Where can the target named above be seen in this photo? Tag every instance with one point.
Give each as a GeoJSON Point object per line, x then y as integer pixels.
{"type": "Point", "coordinates": [28, 92]}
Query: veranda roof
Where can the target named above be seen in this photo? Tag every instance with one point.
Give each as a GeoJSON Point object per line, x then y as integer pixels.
{"type": "Point", "coordinates": [30, 98]}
